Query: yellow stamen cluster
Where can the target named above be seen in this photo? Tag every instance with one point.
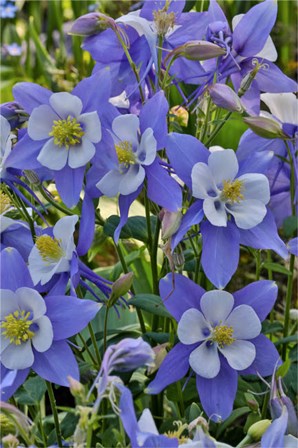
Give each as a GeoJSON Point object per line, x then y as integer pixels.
{"type": "Point", "coordinates": [178, 433]}
{"type": "Point", "coordinates": [17, 327]}
{"type": "Point", "coordinates": [67, 132]}
{"type": "Point", "coordinates": [223, 335]}
{"type": "Point", "coordinates": [125, 154]}
{"type": "Point", "coordinates": [49, 248]}
{"type": "Point", "coordinates": [163, 21]}
{"type": "Point", "coordinates": [232, 190]}
{"type": "Point", "coordinates": [5, 203]}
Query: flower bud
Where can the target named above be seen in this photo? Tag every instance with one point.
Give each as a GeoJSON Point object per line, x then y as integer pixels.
{"type": "Point", "coordinates": [179, 114]}
{"type": "Point", "coordinates": [6, 424]}
{"type": "Point", "coordinates": [76, 388]}
{"type": "Point", "coordinates": [225, 97]}
{"type": "Point", "coordinates": [197, 50]}
{"type": "Point", "coordinates": [160, 354]}
{"type": "Point", "coordinates": [91, 23]}
{"type": "Point", "coordinates": [256, 430]}
{"type": "Point", "coordinates": [170, 223]}
{"type": "Point", "coordinates": [121, 286]}
{"type": "Point", "coordinates": [10, 441]}
{"type": "Point", "coordinates": [265, 127]}
{"type": "Point", "coordinates": [252, 402]}
{"type": "Point", "coordinates": [294, 314]}
{"type": "Point", "coordinates": [128, 355]}
{"type": "Point", "coordinates": [13, 113]}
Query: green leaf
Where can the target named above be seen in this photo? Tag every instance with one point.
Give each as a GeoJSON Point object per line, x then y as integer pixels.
{"type": "Point", "coordinates": [284, 368]}
{"type": "Point", "coordinates": [271, 327]}
{"type": "Point", "coordinates": [194, 412]}
{"type": "Point", "coordinates": [136, 227]}
{"type": "Point", "coordinates": [276, 267]}
{"type": "Point", "coordinates": [151, 303]}
{"type": "Point", "coordinates": [293, 338]}
{"type": "Point", "coordinates": [290, 225]}
{"type": "Point", "coordinates": [32, 391]}
{"type": "Point", "coordinates": [234, 416]}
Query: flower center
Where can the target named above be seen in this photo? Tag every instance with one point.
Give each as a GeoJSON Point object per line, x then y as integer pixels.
{"type": "Point", "coordinates": [67, 132]}
{"type": "Point", "coordinates": [223, 335]}
{"type": "Point", "coordinates": [231, 191]}
{"type": "Point", "coordinates": [163, 21]}
{"type": "Point", "coordinates": [49, 248]}
{"type": "Point", "coordinates": [125, 154]}
{"type": "Point", "coordinates": [17, 327]}
{"type": "Point", "coordinates": [5, 203]}
{"type": "Point", "coordinates": [178, 433]}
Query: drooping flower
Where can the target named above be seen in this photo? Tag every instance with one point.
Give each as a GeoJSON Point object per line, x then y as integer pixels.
{"type": "Point", "coordinates": [34, 329]}
{"type": "Point", "coordinates": [219, 337]}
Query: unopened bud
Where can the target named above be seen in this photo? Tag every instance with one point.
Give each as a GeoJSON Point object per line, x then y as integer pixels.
{"type": "Point", "coordinates": [225, 97]}
{"type": "Point", "coordinates": [10, 441]}
{"type": "Point", "coordinates": [256, 430]}
{"type": "Point", "coordinates": [76, 388]}
{"type": "Point", "coordinates": [160, 354]}
{"type": "Point", "coordinates": [293, 314]}
{"type": "Point", "coordinates": [197, 50]}
{"type": "Point", "coordinates": [265, 127]}
{"type": "Point", "coordinates": [179, 114]}
{"type": "Point", "coordinates": [6, 424]}
{"type": "Point", "coordinates": [170, 223]}
{"type": "Point", "coordinates": [251, 401]}
{"type": "Point", "coordinates": [120, 287]}
{"type": "Point", "coordinates": [91, 23]}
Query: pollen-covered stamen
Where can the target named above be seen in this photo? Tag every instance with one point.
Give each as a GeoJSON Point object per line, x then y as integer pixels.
{"type": "Point", "coordinates": [125, 153]}
{"type": "Point", "coordinates": [223, 335]}
{"type": "Point", "coordinates": [16, 327]}
{"type": "Point", "coordinates": [164, 21]}
{"type": "Point", "coordinates": [232, 191]}
{"type": "Point", "coordinates": [5, 203]}
{"type": "Point", "coordinates": [67, 132]}
{"type": "Point", "coordinates": [49, 248]}
{"type": "Point", "coordinates": [178, 433]}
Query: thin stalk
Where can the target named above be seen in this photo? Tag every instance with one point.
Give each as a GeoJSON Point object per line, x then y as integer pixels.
{"type": "Point", "coordinates": [288, 305]}
{"type": "Point", "coordinates": [55, 413]}
{"type": "Point", "coordinates": [203, 131]}
{"type": "Point", "coordinates": [54, 203]}
{"type": "Point", "coordinates": [125, 270]}
{"type": "Point", "coordinates": [94, 342]}
{"type": "Point", "coordinates": [258, 264]}
{"type": "Point", "coordinates": [94, 361]}
{"type": "Point", "coordinates": [217, 129]}
{"type": "Point", "coordinates": [105, 329]}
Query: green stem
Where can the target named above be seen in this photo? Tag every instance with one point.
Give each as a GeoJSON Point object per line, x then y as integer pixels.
{"type": "Point", "coordinates": [204, 129]}
{"type": "Point", "coordinates": [94, 342]}
{"type": "Point", "coordinates": [125, 270]}
{"type": "Point", "coordinates": [288, 305]}
{"type": "Point", "coordinates": [105, 329]}
{"type": "Point", "coordinates": [258, 264]}
{"type": "Point", "coordinates": [55, 413]}
{"type": "Point", "coordinates": [217, 129]}
{"type": "Point", "coordinates": [94, 361]}
{"type": "Point", "coordinates": [54, 203]}
{"type": "Point", "coordinates": [247, 440]}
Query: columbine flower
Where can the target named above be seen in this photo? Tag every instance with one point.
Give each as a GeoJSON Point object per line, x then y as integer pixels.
{"type": "Point", "coordinates": [224, 193]}
{"type": "Point", "coordinates": [5, 144]}
{"type": "Point", "coordinates": [133, 153]}
{"type": "Point", "coordinates": [52, 254]}
{"type": "Point", "coordinates": [219, 337]}
{"type": "Point", "coordinates": [34, 329]}
{"type": "Point", "coordinates": [8, 11]}
{"type": "Point", "coordinates": [12, 49]}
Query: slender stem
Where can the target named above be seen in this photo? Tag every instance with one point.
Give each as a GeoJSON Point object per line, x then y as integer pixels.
{"type": "Point", "coordinates": [105, 329]}
{"type": "Point", "coordinates": [217, 129]}
{"type": "Point", "coordinates": [288, 305]}
{"type": "Point", "coordinates": [125, 270]}
{"type": "Point", "coordinates": [258, 264]}
{"type": "Point", "coordinates": [55, 413]}
{"type": "Point", "coordinates": [88, 350]}
{"type": "Point", "coordinates": [54, 203]}
{"type": "Point", "coordinates": [94, 342]}
{"type": "Point", "coordinates": [204, 129]}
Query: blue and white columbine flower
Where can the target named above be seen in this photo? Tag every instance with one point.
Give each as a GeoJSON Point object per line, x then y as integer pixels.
{"type": "Point", "coordinates": [134, 150]}
{"type": "Point", "coordinates": [244, 197]}
{"type": "Point", "coordinates": [68, 135]}
{"type": "Point", "coordinates": [52, 254]}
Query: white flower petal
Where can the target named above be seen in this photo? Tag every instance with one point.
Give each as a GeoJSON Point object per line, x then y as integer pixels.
{"type": "Point", "coordinates": [31, 300]}
{"type": "Point", "coordinates": [80, 154]}
{"type": "Point", "coordinates": [223, 165]}
{"type": "Point", "coordinates": [215, 212]}
{"type": "Point", "coordinates": [4, 342]}
{"type": "Point", "coordinates": [53, 156]}
{"type": "Point", "coordinates": [146, 151]}
{"type": "Point", "coordinates": [146, 423]}
{"type": "Point", "coordinates": [216, 306]}
{"type": "Point", "coordinates": [204, 360]}
{"type": "Point", "coordinates": [9, 303]}
{"type": "Point", "coordinates": [126, 128]}
{"type": "Point", "coordinates": [65, 104]}
{"type": "Point", "coordinates": [268, 51]}
{"type": "Point", "coordinates": [245, 322]}
{"type": "Point", "coordinates": [18, 356]}
{"type": "Point", "coordinates": [64, 228]}
{"type": "Point", "coordinates": [109, 185]}
{"type": "Point", "coordinates": [132, 179]}
{"type": "Point", "coordinates": [37, 266]}
{"type": "Point", "coordinates": [92, 126]}
{"type": "Point", "coordinates": [41, 122]}
{"type": "Point", "coordinates": [43, 338]}
{"type": "Point", "coordinates": [255, 186]}
{"type": "Point", "coordinates": [192, 327]}
{"type": "Point", "coordinates": [5, 133]}
{"type": "Point", "coordinates": [203, 185]}
{"type": "Point", "coordinates": [283, 106]}
{"type": "Point", "coordinates": [240, 354]}
{"type": "Point", "coordinates": [247, 213]}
